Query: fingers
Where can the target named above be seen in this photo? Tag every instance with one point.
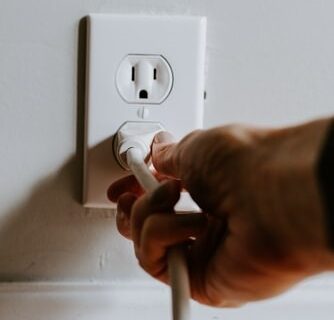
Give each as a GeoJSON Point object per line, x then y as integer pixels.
{"type": "Point", "coordinates": [163, 154]}
{"type": "Point", "coordinates": [128, 184]}
{"type": "Point", "coordinates": [167, 155]}
{"type": "Point", "coordinates": [124, 185]}
{"type": "Point", "coordinates": [155, 227]}
{"type": "Point", "coordinates": [162, 231]}
{"type": "Point", "coordinates": [162, 200]}
{"type": "Point", "coordinates": [123, 216]}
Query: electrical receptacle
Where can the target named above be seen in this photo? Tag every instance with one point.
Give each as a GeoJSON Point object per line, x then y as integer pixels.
{"type": "Point", "coordinates": [139, 134]}
{"type": "Point", "coordinates": [145, 79]}
{"type": "Point", "coordinates": [139, 68]}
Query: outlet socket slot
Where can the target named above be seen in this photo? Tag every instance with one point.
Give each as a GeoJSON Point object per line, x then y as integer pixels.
{"type": "Point", "coordinates": [137, 79]}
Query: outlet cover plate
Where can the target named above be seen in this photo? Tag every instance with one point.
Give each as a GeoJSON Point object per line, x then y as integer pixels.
{"type": "Point", "coordinates": [181, 40]}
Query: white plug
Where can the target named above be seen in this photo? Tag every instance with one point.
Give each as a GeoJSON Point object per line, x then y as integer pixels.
{"type": "Point", "coordinates": [133, 144]}
{"type": "Point", "coordinates": [137, 135]}
{"type": "Point", "coordinates": [145, 79]}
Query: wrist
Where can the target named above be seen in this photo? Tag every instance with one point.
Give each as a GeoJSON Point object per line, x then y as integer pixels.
{"type": "Point", "coordinates": [291, 158]}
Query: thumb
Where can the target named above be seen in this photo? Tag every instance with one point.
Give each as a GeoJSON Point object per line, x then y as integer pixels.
{"type": "Point", "coordinates": [164, 154]}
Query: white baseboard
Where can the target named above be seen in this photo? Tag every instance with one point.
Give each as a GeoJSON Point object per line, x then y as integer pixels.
{"type": "Point", "coordinates": [146, 301]}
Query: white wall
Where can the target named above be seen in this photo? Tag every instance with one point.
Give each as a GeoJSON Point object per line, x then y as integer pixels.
{"type": "Point", "coordinates": [270, 62]}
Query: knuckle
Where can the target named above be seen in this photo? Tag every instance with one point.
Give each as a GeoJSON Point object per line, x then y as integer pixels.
{"type": "Point", "coordinates": [123, 227]}
{"type": "Point", "coordinates": [150, 229]}
{"type": "Point", "coordinates": [238, 135]}
{"type": "Point", "coordinates": [138, 206]}
{"type": "Point", "coordinates": [156, 267]}
{"type": "Point", "coordinates": [143, 263]}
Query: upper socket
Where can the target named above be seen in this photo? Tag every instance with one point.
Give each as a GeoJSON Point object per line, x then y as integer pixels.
{"type": "Point", "coordinates": [144, 79]}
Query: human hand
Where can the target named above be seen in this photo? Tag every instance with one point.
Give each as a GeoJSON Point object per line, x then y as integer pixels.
{"type": "Point", "coordinates": [262, 228]}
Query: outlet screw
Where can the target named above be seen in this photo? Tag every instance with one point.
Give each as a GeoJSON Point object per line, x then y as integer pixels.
{"type": "Point", "coordinates": [143, 113]}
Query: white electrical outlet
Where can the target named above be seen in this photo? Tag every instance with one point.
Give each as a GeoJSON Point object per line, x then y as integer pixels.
{"type": "Point", "coordinates": [144, 79]}
{"type": "Point", "coordinates": [139, 68]}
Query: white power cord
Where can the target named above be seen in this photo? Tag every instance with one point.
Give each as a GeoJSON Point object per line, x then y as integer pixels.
{"type": "Point", "coordinates": [177, 265]}
{"type": "Point", "coordinates": [134, 149]}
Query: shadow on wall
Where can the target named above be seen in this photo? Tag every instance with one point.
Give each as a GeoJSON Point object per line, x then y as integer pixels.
{"type": "Point", "coordinates": [51, 235]}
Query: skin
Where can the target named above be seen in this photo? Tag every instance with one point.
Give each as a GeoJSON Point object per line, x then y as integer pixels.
{"type": "Point", "coordinates": [262, 227]}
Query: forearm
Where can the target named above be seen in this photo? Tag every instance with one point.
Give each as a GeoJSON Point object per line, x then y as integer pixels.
{"type": "Point", "coordinates": [290, 196]}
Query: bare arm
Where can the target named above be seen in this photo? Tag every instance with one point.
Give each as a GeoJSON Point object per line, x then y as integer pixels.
{"type": "Point", "coordinates": [264, 223]}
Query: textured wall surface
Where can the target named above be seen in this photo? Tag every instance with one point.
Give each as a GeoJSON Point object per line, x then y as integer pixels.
{"type": "Point", "coordinates": [269, 62]}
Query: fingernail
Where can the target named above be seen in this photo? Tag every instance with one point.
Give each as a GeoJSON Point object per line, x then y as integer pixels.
{"type": "Point", "coordinates": [163, 136]}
